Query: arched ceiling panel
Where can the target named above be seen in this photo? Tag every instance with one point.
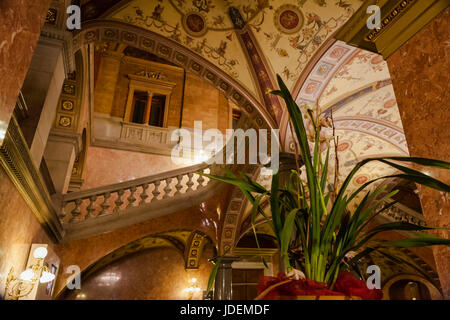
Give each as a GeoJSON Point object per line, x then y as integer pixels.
{"type": "Point", "coordinates": [207, 32]}
{"type": "Point", "coordinates": [291, 32]}
{"type": "Point", "coordinates": [362, 70]}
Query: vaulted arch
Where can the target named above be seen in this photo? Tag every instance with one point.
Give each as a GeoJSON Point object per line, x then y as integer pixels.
{"type": "Point", "coordinates": [172, 51]}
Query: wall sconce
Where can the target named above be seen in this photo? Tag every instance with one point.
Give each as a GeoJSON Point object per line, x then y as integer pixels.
{"type": "Point", "coordinates": [192, 289]}
{"type": "Point", "coordinates": [36, 272]}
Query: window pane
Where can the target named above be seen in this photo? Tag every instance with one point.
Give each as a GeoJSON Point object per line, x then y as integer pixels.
{"type": "Point", "coordinates": [157, 110]}
{"type": "Point", "coordinates": [254, 274]}
{"type": "Point", "coordinates": [139, 110]}
{"type": "Point", "coordinates": [239, 293]}
{"type": "Point", "coordinates": [252, 292]}
{"type": "Point", "coordinates": [238, 275]}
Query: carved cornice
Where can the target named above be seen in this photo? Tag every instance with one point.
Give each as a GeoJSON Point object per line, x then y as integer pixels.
{"type": "Point", "coordinates": [400, 20]}
{"type": "Point", "coordinates": [401, 213]}
{"type": "Point", "coordinates": [64, 39]}
{"type": "Point", "coordinates": [16, 160]}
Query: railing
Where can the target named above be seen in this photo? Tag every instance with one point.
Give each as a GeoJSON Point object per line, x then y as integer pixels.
{"type": "Point", "coordinates": [116, 198]}
{"type": "Point", "coordinates": [88, 212]}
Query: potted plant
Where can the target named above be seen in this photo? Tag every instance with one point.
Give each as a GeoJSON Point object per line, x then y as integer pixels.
{"type": "Point", "coordinates": [314, 228]}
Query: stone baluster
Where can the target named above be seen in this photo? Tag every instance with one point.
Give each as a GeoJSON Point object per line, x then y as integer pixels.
{"type": "Point", "coordinates": [190, 182]}
{"type": "Point", "coordinates": [179, 185]}
{"type": "Point", "coordinates": [62, 214]}
{"type": "Point", "coordinates": [200, 181]}
{"type": "Point", "coordinates": [90, 208]}
{"type": "Point", "coordinates": [76, 211]}
{"type": "Point", "coordinates": [131, 199]}
{"type": "Point", "coordinates": [167, 189]}
{"type": "Point", "coordinates": [156, 191]}
{"type": "Point", "coordinates": [144, 194]}
{"type": "Point", "coordinates": [119, 200]}
{"type": "Point", "coordinates": [105, 204]}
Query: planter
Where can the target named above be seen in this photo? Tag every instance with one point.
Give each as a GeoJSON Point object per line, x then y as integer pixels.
{"type": "Point", "coordinates": [346, 288]}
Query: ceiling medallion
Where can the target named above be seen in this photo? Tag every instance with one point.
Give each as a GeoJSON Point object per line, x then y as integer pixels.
{"type": "Point", "coordinates": [288, 19]}
{"type": "Point", "coordinates": [195, 24]}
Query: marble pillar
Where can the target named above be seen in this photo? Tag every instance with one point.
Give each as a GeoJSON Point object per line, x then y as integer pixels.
{"type": "Point", "coordinates": [59, 155]}
{"type": "Point", "coordinates": [21, 22]}
{"type": "Point", "coordinates": [419, 72]}
{"type": "Point", "coordinates": [223, 282]}
{"type": "Point", "coordinates": [287, 164]}
{"type": "Point", "coordinates": [41, 90]}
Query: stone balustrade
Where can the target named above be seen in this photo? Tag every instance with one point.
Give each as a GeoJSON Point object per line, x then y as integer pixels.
{"type": "Point", "coordinates": [89, 212]}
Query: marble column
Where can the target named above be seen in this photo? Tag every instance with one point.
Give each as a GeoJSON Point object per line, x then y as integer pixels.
{"type": "Point", "coordinates": [20, 25]}
{"type": "Point", "coordinates": [223, 282]}
{"type": "Point", "coordinates": [59, 155]}
{"type": "Point", "coordinates": [41, 90]}
{"type": "Point", "coordinates": [287, 164]}
{"type": "Point", "coordinates": [419, 72]}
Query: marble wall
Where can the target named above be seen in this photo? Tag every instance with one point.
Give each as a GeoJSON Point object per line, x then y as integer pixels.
{"type": "Point", "coordinates": [162, 278]}
{"type": "Point", "coordinates": [19, 228]}
{"type": "Point", "coordinates": [21, 21]}
{"type": "Point", "coordinates": [204, 102]}
{"type": "Point", "coordinates": [419, 73]}
{"type": "Point", "coordinates": [108, 166]}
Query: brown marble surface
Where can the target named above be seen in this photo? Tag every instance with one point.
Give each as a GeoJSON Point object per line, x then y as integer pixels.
{"type": "Point", "coordinates": [19, 228]}
{"type": "Point", "coordinates": [21, 21]}
{"type": "Point", "coordinates": [162, 278]}
{"type": "Point", "coordinates": [420, 76]}
{"type": "Point", "coordinates": [108, 166]}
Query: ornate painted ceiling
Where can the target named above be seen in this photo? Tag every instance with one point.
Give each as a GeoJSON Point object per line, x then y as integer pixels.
{"type": "Point", "coordinates": [287, 34]}
{"type": "Point", "coordinates": [292, 38]}
{"type": "Point", "coordinates": [354, 85]}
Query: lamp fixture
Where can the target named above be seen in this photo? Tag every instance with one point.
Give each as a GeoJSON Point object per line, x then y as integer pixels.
{"type": "Point", "coordinates": [192, 289]}
{"type": "Point", "coordinates": [18, 287]}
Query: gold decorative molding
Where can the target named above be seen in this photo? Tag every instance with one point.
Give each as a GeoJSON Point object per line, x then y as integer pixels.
{"type": "Point", "coordinates": [16, 160]}
{"type": "Point", "coordinates": [194, 248]}
{"type": "Point", "coordinates": [400, 21]}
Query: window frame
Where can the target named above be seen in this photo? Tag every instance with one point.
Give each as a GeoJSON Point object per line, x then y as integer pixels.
{"type": "Point", "coordinates": [151, 86]}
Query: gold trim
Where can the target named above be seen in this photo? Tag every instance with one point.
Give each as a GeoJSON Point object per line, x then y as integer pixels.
{"type": "Point", "coordinates": [394, 14]}
{"type": "Point", "coordinates": [401, 22]}
{"type": "Point", "coordinates": [15, 158]}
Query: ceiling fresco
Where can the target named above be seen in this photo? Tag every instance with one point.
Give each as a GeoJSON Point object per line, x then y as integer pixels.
{"type": "Point", "coordinates": [354, 86]}
{"type": "Point", "coordinates": [301, 27]}
{"type": "Point", "coordinates": [287, 32]}
{"type": "Point", "coordinates": [205, 31]}
{"type": "Point", "coordinates": [361, 70]}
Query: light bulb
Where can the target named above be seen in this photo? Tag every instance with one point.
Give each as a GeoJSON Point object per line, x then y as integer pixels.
{"type": "Point", "coordinates": [40, 253]}
{"type": "Point", "coordinates": [197, 289]}
{"type": "Point", "coordinates": [194, 280]}
{"type": "Point", "coordinates": [27, 275]}
{"type": "Point", "coordinates": [46, 277]}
